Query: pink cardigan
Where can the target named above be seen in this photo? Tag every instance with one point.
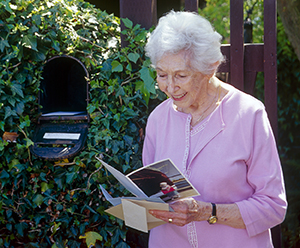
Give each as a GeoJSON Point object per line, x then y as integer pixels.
{"type": "Point", "coordinates": [231, 157]}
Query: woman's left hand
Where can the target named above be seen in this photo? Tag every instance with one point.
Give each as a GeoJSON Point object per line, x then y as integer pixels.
{"type": "Point", "coordinates": [185, 211]}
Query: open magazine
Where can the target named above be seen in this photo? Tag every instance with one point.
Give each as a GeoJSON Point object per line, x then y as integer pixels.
{"type": "Point", "coordinates": [154, 186]}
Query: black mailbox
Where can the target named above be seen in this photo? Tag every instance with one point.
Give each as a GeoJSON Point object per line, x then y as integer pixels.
{"type": "Point", "coordinates": [63, 123]}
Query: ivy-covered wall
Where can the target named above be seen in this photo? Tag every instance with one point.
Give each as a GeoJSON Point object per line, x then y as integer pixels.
{"type": "Point", "coordinates": [59, 204]}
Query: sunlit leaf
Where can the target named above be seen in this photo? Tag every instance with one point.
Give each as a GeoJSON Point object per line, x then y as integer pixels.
{"type": "Point", "coordinates": [30, 42]}
{"type": "Point", "coordinates": [44, 186]}
{"type": "Point", "coordinates": [133, 57]}
{"type": "Point", "coordinates": [141, 86]}
{"type": "Point", "coordinates": [91, 238]}
{"type": "Point", "coordinates": [116, 66]}
{"type": "Point", "coordinates": [38, 199]}
{"type": "Point", "coordinates": [148, 79]}
{"type": "Point", "coordinates": [127, 23]}
{"type": "Point", "coordinates": [56, 45]}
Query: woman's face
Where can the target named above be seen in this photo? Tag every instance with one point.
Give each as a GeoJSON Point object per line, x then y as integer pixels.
{"type": "Point", "coordinates": [177, 79]}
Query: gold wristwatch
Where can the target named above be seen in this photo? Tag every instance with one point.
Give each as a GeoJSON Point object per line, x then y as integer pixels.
{"type": "Point", "coordinates": [213, 218]}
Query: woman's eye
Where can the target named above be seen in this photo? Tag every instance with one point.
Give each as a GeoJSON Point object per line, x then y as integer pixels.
{"type": "Point", "coordinates": [181, 76]}
{"type": "Point", "coordinates": [162, 75]}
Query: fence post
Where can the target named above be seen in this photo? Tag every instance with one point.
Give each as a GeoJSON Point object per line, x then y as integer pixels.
{"type": "Point", "coordinates": [270, 62]}
{"type": "Point", "coordinates": [191, 5]}
{"type": "Point", "coordinates": [237, 44]}
{"type": "Point", "coordinates": [270, 70]}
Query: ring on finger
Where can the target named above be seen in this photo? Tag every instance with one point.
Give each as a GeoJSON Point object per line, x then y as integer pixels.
{"type": "Point", "coordinates": [170, 220]}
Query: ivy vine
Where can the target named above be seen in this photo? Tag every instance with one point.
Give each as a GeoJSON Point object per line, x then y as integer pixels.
{"type": "Point", "coordinates": [47, 204]}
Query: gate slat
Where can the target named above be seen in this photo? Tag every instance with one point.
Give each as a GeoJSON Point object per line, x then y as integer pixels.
{"type": "Point", "coordinates": [237, 44]}
{"type": "Point", "coordinates": [270, 62]}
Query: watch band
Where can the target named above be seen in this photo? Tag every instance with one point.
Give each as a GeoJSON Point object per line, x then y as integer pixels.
{"type": "Point", "coordinates": [213, 218]}
{"type": "Point", "coordinates": [214, 209]}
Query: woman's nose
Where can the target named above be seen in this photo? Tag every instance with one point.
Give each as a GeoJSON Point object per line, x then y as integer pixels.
{"type": "Point", "coordinates": [171, 84]}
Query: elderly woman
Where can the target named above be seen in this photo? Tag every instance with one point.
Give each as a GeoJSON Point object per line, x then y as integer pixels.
{"type": "Point", "coordinates": [218, 136]}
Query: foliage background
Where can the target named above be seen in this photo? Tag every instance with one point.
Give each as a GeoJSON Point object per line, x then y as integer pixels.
{"type": "Point", "coordinates": [43, 204]}
{"type": "Point", "coordinates": [47, 204]}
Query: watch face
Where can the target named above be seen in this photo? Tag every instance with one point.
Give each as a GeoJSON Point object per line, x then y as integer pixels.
{"type": "Point", "coordinates": [212, 219]}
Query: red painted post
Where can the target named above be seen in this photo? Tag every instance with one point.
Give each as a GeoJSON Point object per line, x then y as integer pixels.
{"type": "Point", "coordinates": [237, 44]}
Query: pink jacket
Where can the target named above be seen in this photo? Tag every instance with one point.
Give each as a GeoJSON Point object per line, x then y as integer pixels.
{"type": "Point", "coordinates": [230, 157]}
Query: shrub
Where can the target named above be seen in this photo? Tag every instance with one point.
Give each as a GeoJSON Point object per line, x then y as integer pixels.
{"type": "Point", "coordinates": [47, 204]}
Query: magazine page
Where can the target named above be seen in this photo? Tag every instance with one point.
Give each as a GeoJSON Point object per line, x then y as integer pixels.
{"type": "Point", "coordinates": [125, 181]}
{"type": "Point", "coordinates": [154, 185]}
{"type": "Point", "coordinates": [118, 200]}
{"type": "Point", "coordinates": [164, 180]}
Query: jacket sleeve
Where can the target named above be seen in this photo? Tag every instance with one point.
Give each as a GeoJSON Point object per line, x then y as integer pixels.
{"type": "Point", "coordinates": [267, 206]}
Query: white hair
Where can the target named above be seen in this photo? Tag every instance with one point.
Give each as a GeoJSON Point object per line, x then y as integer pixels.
{"type": "Point", "coordinates": [178, 31]}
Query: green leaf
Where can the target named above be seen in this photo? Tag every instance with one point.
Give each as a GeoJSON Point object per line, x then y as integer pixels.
{"type": "Point", "coordinates": [30, 42]}
{"type": "Point", "coordinates": [11, 100]}
{"type": "Point", "coordinates": [140, 85]}
{"type": "Point", "coordinates": [2, 123]}
{"type": "Point", "coordinates": [13, 163]}
{"type": "Point", "coordinates": [44, 186]}
{"type": "Point", "coordinates": [116, 66]}
{"type": "Point", "coordinates": [4, 174]}
{"type": "Point", "coordinates": [20, 228]}
{"type": "Point", "coordinates": [29, 142]}
{"type": "Point", "coordinates": [7, 6]}
{"type": "Point", "coordinates": [19, 108]}
{"type": "Point", "coordinates": [25, 122]}
{"type": "Point", "coordinates": [39, 56]}
{"type": "Point", "coordinates": [133, 57]}
{"type": "Point", "coordinates": [38, 199]}
{"type": "Point", "coordinates": [127, 23]}
{"type": "Point", "coordinates": [56, 45]}
{"type": "Point", "coordinates": [9, 112]}
{"type": "Point", "coordinates": [148, 79]}
{"type": "Point", "coordinates": [122, 245]}
{"type": "Point", "coordinates": [91, 238]}
{"type": "Point", "coordinates": [3, 44]}
{"type": "Point", "coordinates": [117, 125]}
{"type": "Point", "coordinates": [70, 177]}
{"type": "Point", "coordinates": [17, 89]}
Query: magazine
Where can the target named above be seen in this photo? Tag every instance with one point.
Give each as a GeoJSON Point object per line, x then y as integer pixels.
{"type": "Point", "coordinates": [154, 186]}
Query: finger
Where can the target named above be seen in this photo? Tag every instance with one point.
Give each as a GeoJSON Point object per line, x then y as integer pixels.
{"type": "Point", "coordinates": [160, 214]}
{"type": "Point", "coordinates": [170, 217]}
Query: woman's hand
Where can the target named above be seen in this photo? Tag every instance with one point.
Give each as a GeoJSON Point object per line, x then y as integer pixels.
{"type": "Point", "coordinates": [185, 211]}
{"type": "Point", "coordinates": [188, 210]}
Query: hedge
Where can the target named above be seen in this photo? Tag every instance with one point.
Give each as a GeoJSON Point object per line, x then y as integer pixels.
{"type": "Point", "coordinates": [59, 204]}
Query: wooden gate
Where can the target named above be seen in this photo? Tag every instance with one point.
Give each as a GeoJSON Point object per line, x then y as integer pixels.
{"type": "Point", "coordinates": [244, 61]}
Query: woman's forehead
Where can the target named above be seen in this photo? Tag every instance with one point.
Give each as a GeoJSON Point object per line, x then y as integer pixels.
{"type": "Point", "coordinates": [178, 61]}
